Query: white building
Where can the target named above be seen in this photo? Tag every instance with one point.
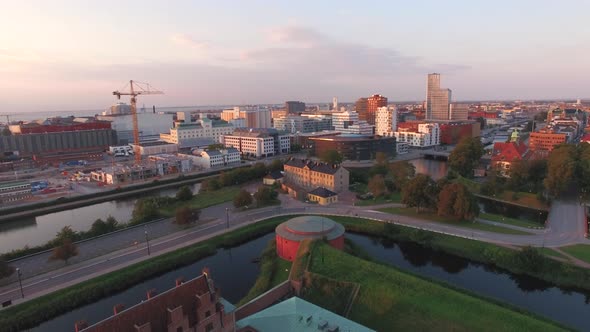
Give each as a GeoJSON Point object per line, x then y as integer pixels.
{"type": "Point", "coordinates": [150, 125]}
{"type": "Point", "coordinates": [215, 158]}
{"type": "Point", "coordinates": [204, 128]}
{"type": "Point", "coordinates": [402, 147]}
{"type": "Point", "coordinates": [238, 122]}
{"type": "Point", "coordinates": [258, 142]}
{"type": "Point", "coordinates": [158, 147]}
{"type": "Point", "coordinates": [428, 135]}
{"type": "Point", "coordinates": [171, 164]}
{"type": "Point", "coordinates": [348, 123]}
{"type": "Point", "coordinates": [386, 121]}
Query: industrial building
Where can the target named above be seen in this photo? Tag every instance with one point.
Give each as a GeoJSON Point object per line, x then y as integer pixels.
{"type": "Point", "coordinates": [15, 191]}
{"type": "Point", "coordinates": [354, 147]}
{"type": "Point", "coordinates": [215, 158]}
{"type": "Point", "coordinates": [290, 234]}
{"type": "Point", "coordinates": [258, 142]}
{"type": "Point", "coordinates": [123, 174]}
{"type": "Point", "coordinates": [171, 164]}
{"type": "Point", "coordinates": [149, 148]}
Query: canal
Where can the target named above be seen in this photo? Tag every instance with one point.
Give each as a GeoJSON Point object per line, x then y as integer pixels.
{"type": "Point", "coordinates": [565, 306]}
{"type": "Point", "coordinates": [38, 230]}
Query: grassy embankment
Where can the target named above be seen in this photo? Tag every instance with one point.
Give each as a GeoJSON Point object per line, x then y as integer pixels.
{"type": "Point", "coordinates": [203, 200]}
{"type": "Point", "coordinates": [391, 300]}
{"type": "Point", "coordinates": [579, 251]}
{"type": "Point", "coordinates": [38, 310]}
{"type": "Point", "coordinates": [509, 221]}
{"type": "Point", "coordinates": [411, 212]}
{"type": "Point", "coordinates": [521, 198]}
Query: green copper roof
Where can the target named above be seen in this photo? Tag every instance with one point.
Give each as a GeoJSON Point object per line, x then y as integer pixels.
{"type": "Point", "coordinates": [297, 315]}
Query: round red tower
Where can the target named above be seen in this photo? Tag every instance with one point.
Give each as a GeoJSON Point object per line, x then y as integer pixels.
{"type": "Point", "coordinates": [290, 233]}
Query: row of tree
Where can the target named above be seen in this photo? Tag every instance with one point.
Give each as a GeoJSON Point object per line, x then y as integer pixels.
{"type": "Point", "coordinates": [241, 175]}
{"type": "Point", "coordinates": [263, 196]}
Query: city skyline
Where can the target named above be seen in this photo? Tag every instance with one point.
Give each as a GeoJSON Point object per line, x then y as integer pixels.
{"type": "Point", "coordinates": [71, 56]}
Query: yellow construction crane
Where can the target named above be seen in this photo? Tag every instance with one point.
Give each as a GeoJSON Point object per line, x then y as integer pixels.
{"type": "Point", "coordinates": [136, 89]}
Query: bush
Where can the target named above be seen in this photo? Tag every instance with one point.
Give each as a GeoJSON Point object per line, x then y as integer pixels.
{"type": "Point", "coordinates": [184, 194]}
{"type": "Point", "coordinates": [243, 198]}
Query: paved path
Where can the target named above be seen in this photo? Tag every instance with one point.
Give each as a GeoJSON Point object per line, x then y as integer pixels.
{"type": "Point", "coordinates": [565, 221]}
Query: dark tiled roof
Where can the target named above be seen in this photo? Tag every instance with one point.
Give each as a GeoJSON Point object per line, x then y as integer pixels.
{"type": "Point", "coordinates": [274, 175]}
{"type": "Point", "coordinates": [322, 192]}
{"type": "Point", "coordinates": [315, 166]}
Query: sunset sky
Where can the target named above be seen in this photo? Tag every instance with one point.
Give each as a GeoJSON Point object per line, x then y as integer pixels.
{"type": "Point", "coordinates": [70, 55]}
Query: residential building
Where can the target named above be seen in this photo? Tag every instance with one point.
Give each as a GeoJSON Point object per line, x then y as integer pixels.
{"type": "Point", "coordinates": [15, 191]}
{"type": "Point", "coordinates": [504, 155]}
{"type": "Point", "coordinates": [272, 178]}
{"type": "Point", "coordinates": [373, 103]}
{"type": "Point", "coordinates": [348, 123]}
{"type": "Point", "coordinates": [353, 147]}
{"type": "Point", "coordinates": [294, 107]}
{"type": "Point", "coordinates": [194, 305]}
{"type": "Point", "coordinates": [215, 158]}
{"type": "Point", "coordinates": [149, 148]}
{"type": "Point", "coordinates": [546, 139]}
{"type": "Point", "coordinates": [204, 128]}
{"type": "Point", "coordinates": [322, 196]}
{"type": "Point", "coordinates": [302, 124]}
{"type": "Point", "coordinates": [295, 315]}
{"type": "Point", "coordinates": [360, 107]}
{"type": "Point", "coordinates": [386, 121]}
{"type": "Point", "coordinates": [451, 132]}
{"type": "Point", "coordinates": [254, 117]}
{"type": "Point", "coordinates": [310, 175]}
{"type": "Point", "coordinates": [428, 134]}
{"type": "Point", "coordinates": [437, 99]}
{"type": "Point", "coordinates": [402, 147]}
{"type": "Point", "coordinates": [258, 142]}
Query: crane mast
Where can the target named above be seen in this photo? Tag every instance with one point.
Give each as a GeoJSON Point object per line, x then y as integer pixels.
{"type": "Point", "coordinates": [136, 89]}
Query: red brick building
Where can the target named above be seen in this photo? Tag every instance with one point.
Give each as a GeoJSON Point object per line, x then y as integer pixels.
{"type": "Point", "coordinates": [194, 306]}
{"type": "Point", "coordinates": [546, 139]}
{"type": "Point", "coordinates": [290, 234]}
{"type": "Point", "coordinates": [505, 154]}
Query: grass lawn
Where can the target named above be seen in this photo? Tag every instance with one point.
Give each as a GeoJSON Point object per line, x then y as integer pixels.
{"type": "Point", "coordinates": [580, 251]}
{"type": "Point", "coordinates": [390, 300]}
{"type": "Point", "coordinates": [411, 212]}
{"type": "Point", "coordinates": [550, 252]}
{"type": "Point", "coordinates": [203, 200]}
{"type": "Point", "coordinates": [510, 221]}
{"type": "Point", "coordinates": [395, 197]}
{"type": "Point", "coordinates": [522, 198]}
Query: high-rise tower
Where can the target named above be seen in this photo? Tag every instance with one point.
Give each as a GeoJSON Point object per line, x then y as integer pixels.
{"type": "Point", "coordinates": [437, 99]}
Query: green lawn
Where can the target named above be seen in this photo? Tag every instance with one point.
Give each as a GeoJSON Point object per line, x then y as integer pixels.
{"type": "Point", "coordinates": [580, 251]}
{"type": "Point", "coordinates": [550, 252]}
{"type": "Point", "coordinates": [390, 300]}
{"type": "Point", "coordinates": [522, 198]}
{"type": "Point", "coordinates": [203, 200]}
{"type": "Point", "coordinates": [411, 212]}
{"type": "Point", "coordinates": [510, 221]}
{"type": "Point", "coordinates": [395, 197]}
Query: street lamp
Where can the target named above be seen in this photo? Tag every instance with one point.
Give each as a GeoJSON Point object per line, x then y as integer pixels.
{"type": "Point", "coordinates": [20, 283]}
{"type": "Point", "coordinates": [147, 241]}
{"type": "Point", "coordinates": [227, 218]}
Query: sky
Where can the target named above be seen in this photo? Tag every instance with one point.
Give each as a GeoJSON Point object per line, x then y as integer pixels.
{"type": "Point", "coordinates": [70, 55]}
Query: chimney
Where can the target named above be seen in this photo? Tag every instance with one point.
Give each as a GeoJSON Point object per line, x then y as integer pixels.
{"type": "Point", "coordinates": [179, 281]}
{"type": "Point", "coordinates": [117, 308]}
{"type": "Point", "coordinates": [151, 293]}
{"type": "Point", "coordinates": [80, 325]}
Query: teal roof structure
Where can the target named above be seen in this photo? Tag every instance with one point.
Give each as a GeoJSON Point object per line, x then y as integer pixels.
{"type": "Point", "coordinates": [298, 315]}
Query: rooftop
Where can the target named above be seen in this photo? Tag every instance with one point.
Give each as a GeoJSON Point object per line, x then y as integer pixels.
{"type": "Point", "coordinates": [156, 143]}
{"type": "Point", "coordinates": [255, 132]}
{"type": "Point", "coordinates": [296, 314]}
{"type": "Point", "coordinates": [315, 166]}
{"type": "Point", "coordinates": [309, 227]}
{"type": "Point", "coordinates": [322, 192]}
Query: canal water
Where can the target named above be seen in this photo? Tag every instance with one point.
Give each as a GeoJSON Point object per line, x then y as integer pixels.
{"type": "Point", "coordinates": [38, 230]}
{"type": "Point", "coordinates": [234, 272]}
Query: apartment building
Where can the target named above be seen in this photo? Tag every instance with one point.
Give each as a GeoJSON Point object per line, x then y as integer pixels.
{"type": "Point", "coordinates": [258, 142]}
{"type": "Point", "coordinates": [310, 175]}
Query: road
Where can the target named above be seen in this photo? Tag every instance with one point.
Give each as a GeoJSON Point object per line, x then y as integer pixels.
{"type": "Point", "coordinates": [565, 227]}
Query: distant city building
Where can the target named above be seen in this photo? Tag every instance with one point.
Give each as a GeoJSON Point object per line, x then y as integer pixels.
{"type": "Point", "coordinates": [238, 123]}
{"type": "Point", "coordinates": [215, 158]}
{"type": "Point", "coordinates": [458, 112]}
{"type": "Point", "coordinates": [171, 164]}
{"type": "Point", "coordinates": [360, 107]}
{"type": "Point", "coordinates": [157, 147]}
{"type": "Point", "coordinates": [402, 147]}
{"type": "Point", "coordinates": [194, 305]}
{"type": "Point", "coordinates": [335, 104]}
{"type": "Point", "coordinates": [353, 147]}
{"type": "Point", "coordinates": [373, 103]}
{"type": "Point", "coordinates": [437, 99]}
{"type": "Point", "coordinates": [258, 142]}
{"type": "Point", "coordinates": [14, 191]}
{"type": "Point", "coordinates": [123, 174]}
{"type": "Point", "coordinates": [348, 122]}
{"type": "Point", "coordinates": [255, 117]}
{"type": "Point", "coordinates": [546, 139]}
{"type": "Point", "coordinates": [428, 134]}
{"type": "Point", "coordinates": [204, 128]}
{"type": "Point", "coordinates": [386, 121]}
{"type": "Point", "coordinates": [303, 124]}
{"type": "Point", "coordinates": [150, 125]}
{"type": "Point", "coordinates": [294, 107]}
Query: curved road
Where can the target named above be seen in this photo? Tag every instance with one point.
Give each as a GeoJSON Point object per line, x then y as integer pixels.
{"type": "Point", "coordinates": [565, 227]}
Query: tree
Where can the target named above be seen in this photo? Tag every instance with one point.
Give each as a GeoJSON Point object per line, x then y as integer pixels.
{"type": "Point", "coordinates": [98, 227]}
{"type": "Point", "coordinates": [276, 165]}
{"type": "Point", "coordinates": [331, 157]}
{"type": "Point", "coordinates": [186, 215]}
{"type": "Point", "coordinates": [243, 198]}
{"type": "Point", "coordinates": [419, 192]}
{"type": "Point", "coordinates": [377, 186]}
{"type": "Point", "coordinates": [64, 251]}
{"type": "Point", "coordinates": [265, 196]}
{"type": "Point", "coordinates": [184, 194]}
{"type": "Point", "coordinates": [210, 185]}
{"type": "Point", "coordinates": [5, 270]}
{"type": "Point", "coordinates": [464, 158]}
{"type": "Point", "coordinates": [561, 169]}
{"type": "Point", "coordinates": [401, 172]}
{"type": "Point", "coordinates": [145, 209]}
{"type": "Point", "coordinates": [65, 233]}
{"type": "Point", "coordinates": [111, 224]}
{"type": "Point", "coordinates": [455, 200]}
